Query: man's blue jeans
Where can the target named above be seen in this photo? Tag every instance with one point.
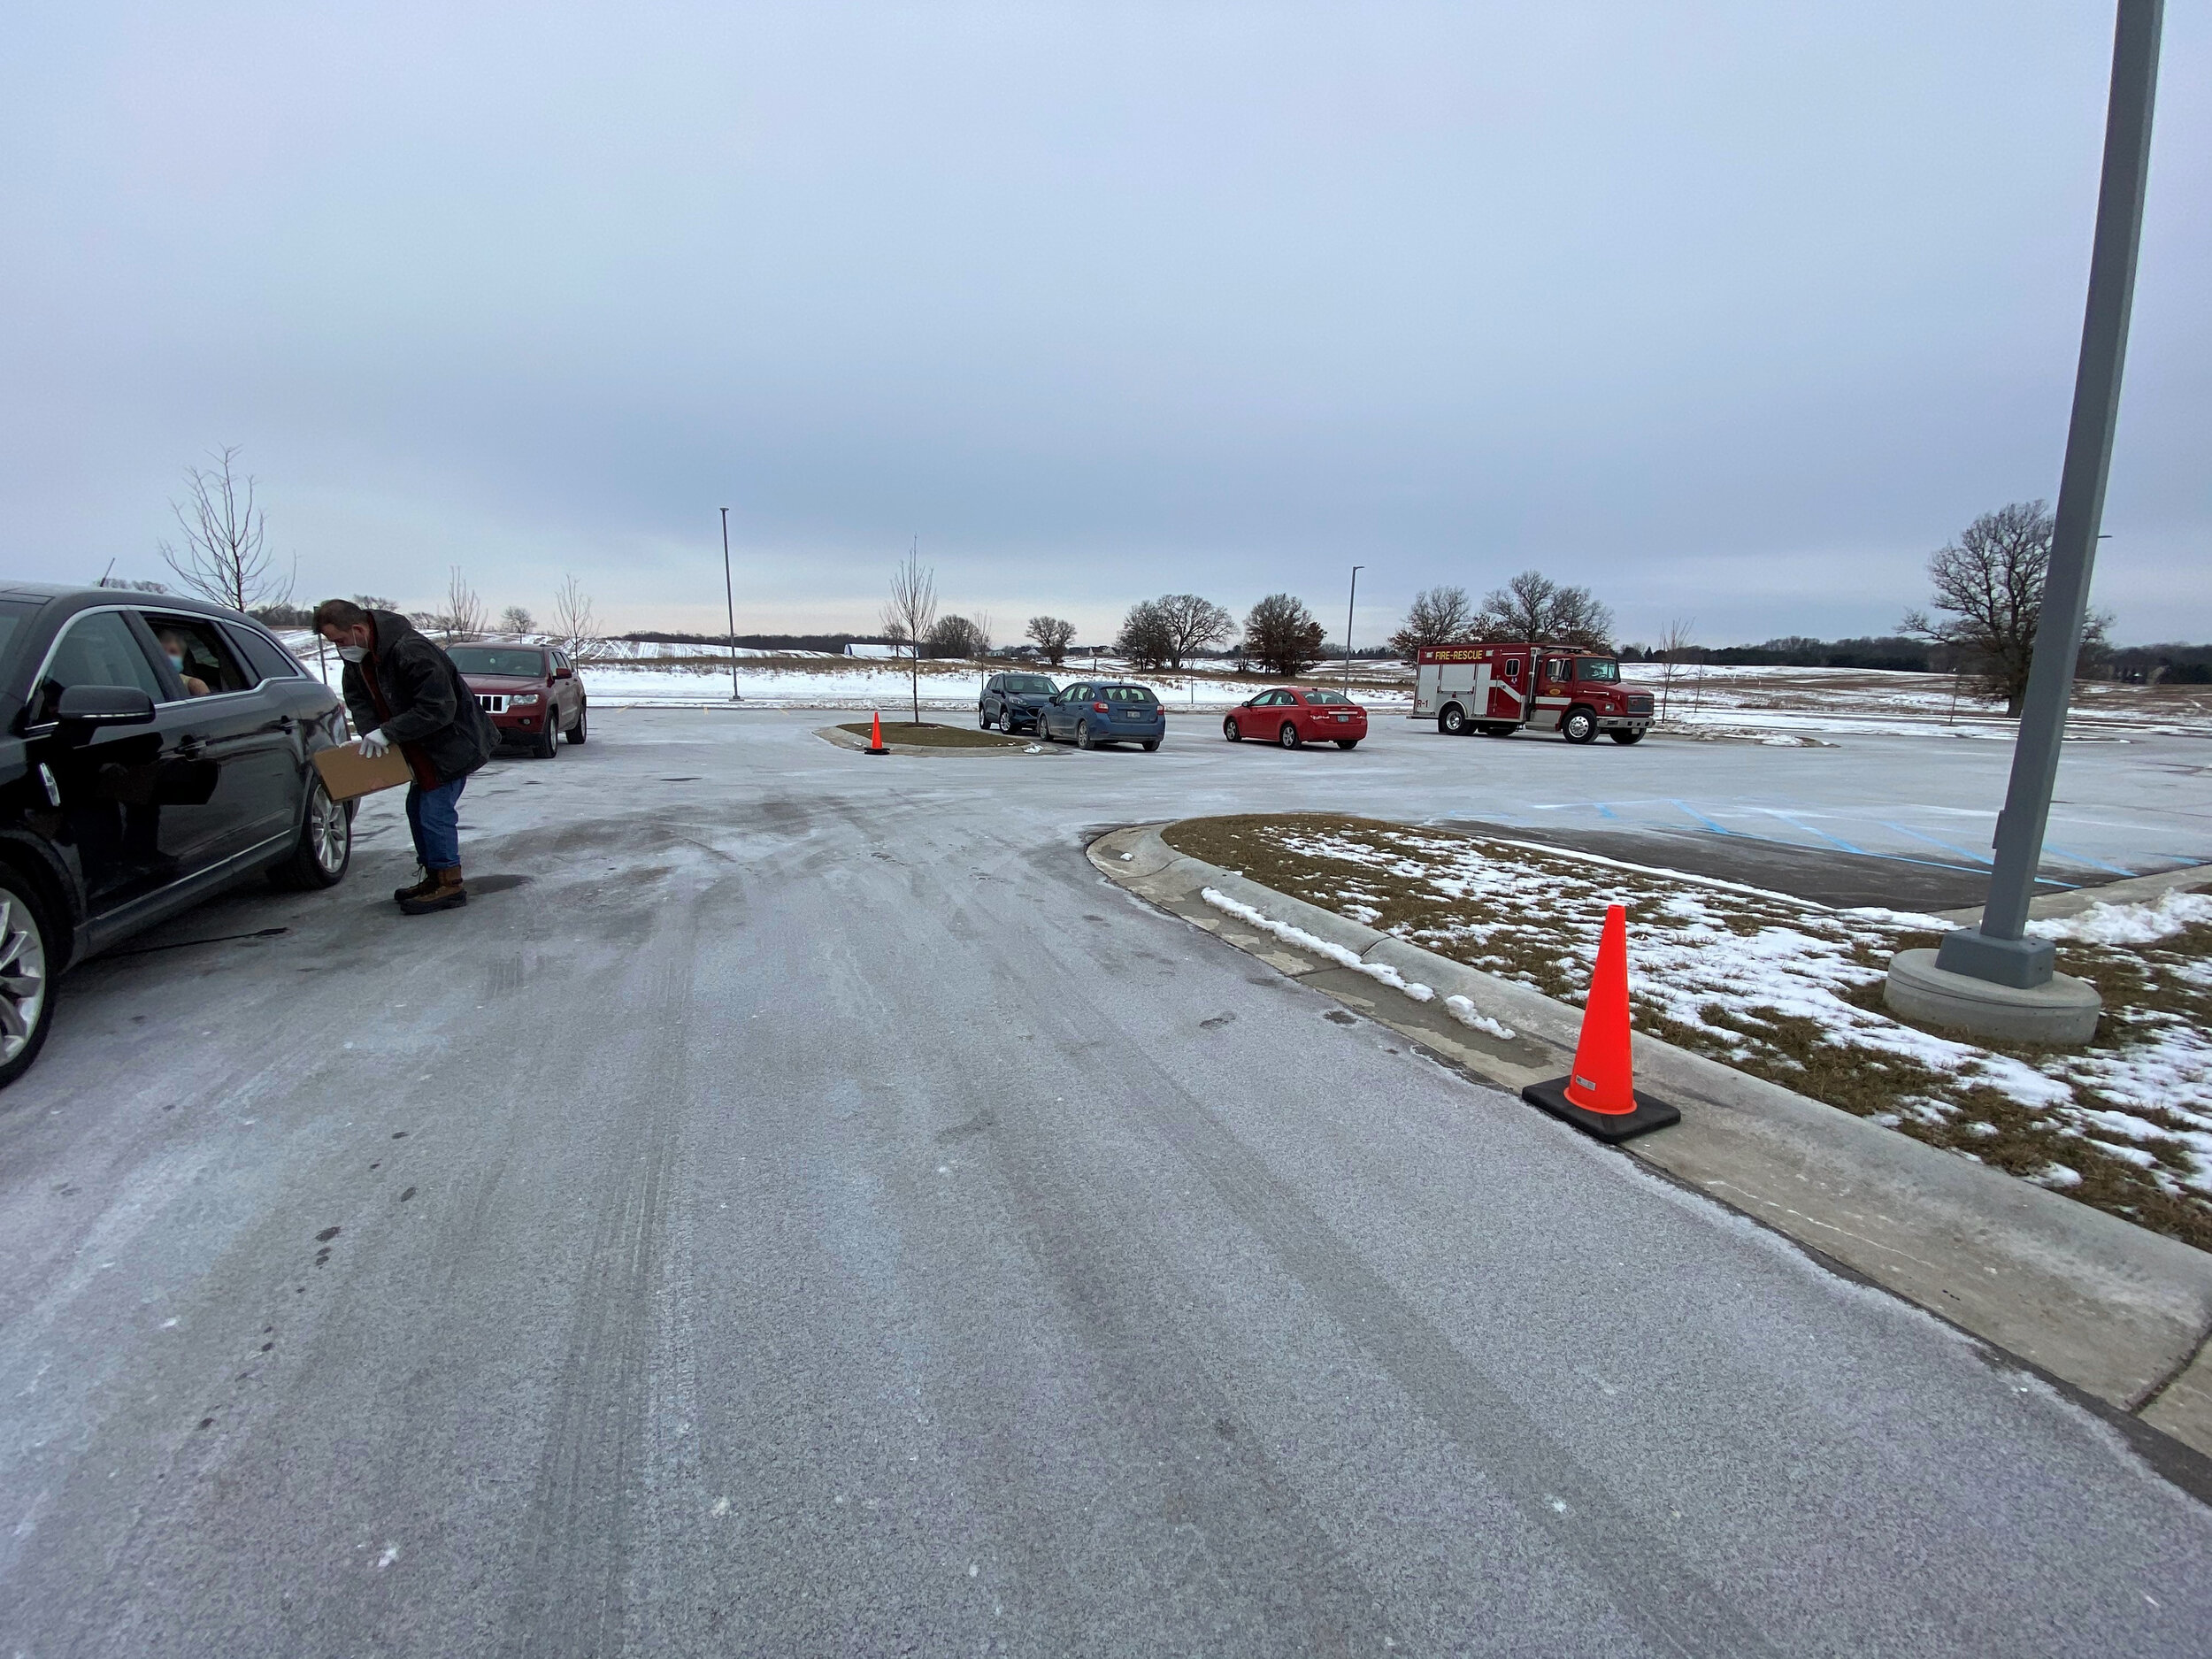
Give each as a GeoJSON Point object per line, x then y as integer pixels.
{"type": "Point", "coordinates": [434, 816]}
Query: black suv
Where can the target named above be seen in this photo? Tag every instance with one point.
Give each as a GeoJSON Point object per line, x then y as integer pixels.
{"type": "Point", "coordinates": [1011, 702]}
{"type": "Point", "coordinates": [153, 750]}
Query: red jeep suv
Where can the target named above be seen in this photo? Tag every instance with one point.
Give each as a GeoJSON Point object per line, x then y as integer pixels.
{"type": "Point", "coordinates": [531, 692]}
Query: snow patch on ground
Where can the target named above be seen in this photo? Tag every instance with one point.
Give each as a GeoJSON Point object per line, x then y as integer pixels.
{"type": "Point", "coordinates": [1467, 1014]}
{"type": "Point", "coordinates": [1382, 972]}
{"type": "Point", "coordinates": [2103, 924]}
{"type": "Point", "coordinates": [1791, 985]}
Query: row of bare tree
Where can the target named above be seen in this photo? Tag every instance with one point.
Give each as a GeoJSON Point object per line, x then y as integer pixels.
{"type": "Point", "coordinates": [224, 556]}
{"type": "Point", "coordinates": [1988, 589]}
{"type": "Point", "coordinates": [1988, 598]}
{"type": "Point", "coordinates": [1530, 608]}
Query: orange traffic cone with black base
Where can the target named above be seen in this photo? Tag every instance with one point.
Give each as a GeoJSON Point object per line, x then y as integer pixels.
{"type": "Point", "coordinates": [1600, 1097]}
{"type": "Point", "coordinates": [875, 735]}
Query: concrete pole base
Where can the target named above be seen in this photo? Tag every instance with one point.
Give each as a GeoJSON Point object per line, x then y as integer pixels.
{"type": "Point", "coordinates": [2062, 1010]}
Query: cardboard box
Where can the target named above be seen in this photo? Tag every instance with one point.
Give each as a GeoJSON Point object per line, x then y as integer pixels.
{"type": "Point", "coordinates": [349, 776]}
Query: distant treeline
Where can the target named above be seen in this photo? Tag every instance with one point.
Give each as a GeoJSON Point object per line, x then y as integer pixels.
{"type": "Point", "coordinates": [1797, 651]}
{"type": "Point", "coordinates": [2141, 665]}
{"type": "Point", "coordinates": [835, 643]}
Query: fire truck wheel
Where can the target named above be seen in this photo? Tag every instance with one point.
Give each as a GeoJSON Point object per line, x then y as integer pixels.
{"type": "Point", "coordinates": [1452, 720]}
{"type": "Point", "coordinates": [1229, 730]}
{"type": "Point", "coordinates": [1579, 726]}
{"type": "Point", "coordinates": [1288, 736]}
{"type": "Point", "coordinates": [1626, 737]}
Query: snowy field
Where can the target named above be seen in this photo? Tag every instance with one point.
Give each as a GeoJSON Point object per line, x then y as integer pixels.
{"type": "Point", "coordinates": [1790, 990]}
{"type": "Point", "coordinates": [1730, 701]}
{"type": "Point", "coordinates": [1793, 705]}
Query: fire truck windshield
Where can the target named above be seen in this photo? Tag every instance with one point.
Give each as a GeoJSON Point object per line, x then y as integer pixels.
{"type": "Point", "coordinates": [1596, 668]}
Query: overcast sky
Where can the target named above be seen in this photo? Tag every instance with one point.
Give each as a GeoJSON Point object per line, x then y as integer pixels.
{"type": "Point", "coordinates": [1732, 311]}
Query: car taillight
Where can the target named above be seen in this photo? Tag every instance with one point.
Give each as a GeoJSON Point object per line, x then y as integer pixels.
{"type": "Point", "coordinates": [1098, 708]}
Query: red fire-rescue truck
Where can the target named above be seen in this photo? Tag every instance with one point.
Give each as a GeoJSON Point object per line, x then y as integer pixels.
{"type": "Point", "coordinates": [1497, 689]}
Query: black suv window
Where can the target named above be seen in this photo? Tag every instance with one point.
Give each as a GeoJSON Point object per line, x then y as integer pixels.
{"type": "Point", "coordinates": [521, 662]}
{"type": "Point", "coordinates": [202, 654]}
{"type": "Point", "coordinates": [97, 650]}
{"type": "Point", "coordinates": [264, 656]}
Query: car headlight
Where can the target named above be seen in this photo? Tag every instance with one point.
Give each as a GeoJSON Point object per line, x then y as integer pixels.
{"type": "Point", "coordinates": [527, 700]}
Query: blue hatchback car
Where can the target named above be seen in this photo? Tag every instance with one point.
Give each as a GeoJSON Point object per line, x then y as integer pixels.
{"type": "Point", "coordinates": [1103, 712]}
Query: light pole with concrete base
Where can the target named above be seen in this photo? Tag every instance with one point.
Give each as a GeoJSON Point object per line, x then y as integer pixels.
{"type": "Point", "coordinates": [1994, 980]}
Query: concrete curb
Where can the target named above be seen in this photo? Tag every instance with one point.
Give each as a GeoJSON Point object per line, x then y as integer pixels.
{"type": "Point", "coordinates": [848, 740]}
{"type": "Point", "coordinates": [2112, 1311]}
{"type": "Point", "coordinates": [2130, 890]}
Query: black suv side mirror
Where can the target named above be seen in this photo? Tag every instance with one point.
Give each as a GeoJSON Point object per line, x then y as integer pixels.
{"type": "Point", "coordinates": [104, 705]}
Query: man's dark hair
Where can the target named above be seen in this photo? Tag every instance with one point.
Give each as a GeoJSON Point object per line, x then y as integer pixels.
{"type": "Point", "coordinates": [339, 613]}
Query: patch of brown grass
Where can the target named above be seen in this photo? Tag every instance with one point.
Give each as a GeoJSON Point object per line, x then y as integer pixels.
{"type": "Point", "coordinates": [2145, 989]}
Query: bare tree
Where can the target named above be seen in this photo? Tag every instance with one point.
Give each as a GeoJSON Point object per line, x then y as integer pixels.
{"type": "Point", "coordinates": [375, 602]}
{"type": "Point", "coordinates": [910, 613]}
{"type": "Point", "coordinates": [1191, 624]}
{"type": "Point", "coordinates": [226, 555]}
{"type": "Point", "coordinates": [518, 619]}
{"type": "Point", "coordinates": [1990, 581]}
{"type": "Point", "coordinates": [1051, 635]}
{"type": "Point", "coordinates": [463, 618]}
{"type": "Point", "coordinates": [1674, 644]}
{"type": "Point", "coordinates": [1438, 616]}
{"type": "Point", "coordinates": [1534, 608]}
{"type": "Point", "coordinates": [574, 624]}
{"type": "Point", "coordinates": [956, 636]}
{"type": "Point", "coordinates": [1146, 638]}
{"type": "Point", "coordinates": [982, 633]}
{"type": "Point", "coordinates": [1281, 635]}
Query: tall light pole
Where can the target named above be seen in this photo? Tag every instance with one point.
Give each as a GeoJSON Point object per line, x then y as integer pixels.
{"type": "Point", "coordinates": [729, 598]}
{"type": "Point", "coordinates": [1349, 605]}
{"type": "Point", "coordinates": [1999, 954]}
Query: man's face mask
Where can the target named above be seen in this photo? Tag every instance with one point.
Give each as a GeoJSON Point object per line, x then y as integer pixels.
{"type": "Point", "coordinates": [176, 661]}
{"type": "Point", "coordinates": [354, 653]}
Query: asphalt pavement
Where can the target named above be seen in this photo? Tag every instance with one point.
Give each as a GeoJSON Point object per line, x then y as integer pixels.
{"type": "Point", "coordinates": [799, 1208]}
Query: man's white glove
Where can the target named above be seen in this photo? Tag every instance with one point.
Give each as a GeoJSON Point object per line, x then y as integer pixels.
{"type": "Point", "coordinates": [374, 744]}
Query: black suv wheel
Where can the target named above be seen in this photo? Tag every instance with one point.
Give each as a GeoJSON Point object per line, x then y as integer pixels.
{"type": "Point", "coordinates": [27, 989]}
{"type": "Point", "coordinates": [326, 844]}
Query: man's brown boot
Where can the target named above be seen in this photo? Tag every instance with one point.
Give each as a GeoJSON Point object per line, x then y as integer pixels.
{"type": "Point", "coordinates": [422, 889]}
{"type": "Point", "coordinates": [446, 894]}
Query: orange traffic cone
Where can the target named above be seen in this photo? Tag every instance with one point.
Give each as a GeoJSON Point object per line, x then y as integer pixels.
{"type": "Point", "coordinates": [1600, 1095]}
{"type": "Point", "coordinates": [875, 735]}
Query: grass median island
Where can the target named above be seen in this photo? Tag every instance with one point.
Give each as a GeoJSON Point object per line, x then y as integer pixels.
{"type": "Point", "coordinates": [1791, 991]}
{"type": "Point", "coordinates": [928, 736]}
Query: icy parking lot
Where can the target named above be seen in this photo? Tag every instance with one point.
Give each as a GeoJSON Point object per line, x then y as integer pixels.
{"type": "Point", "coordinates": [796, 1198]}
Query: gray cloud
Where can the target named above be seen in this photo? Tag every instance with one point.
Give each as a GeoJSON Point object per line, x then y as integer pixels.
{"type": "Point", "coordinates": [1732, 313]}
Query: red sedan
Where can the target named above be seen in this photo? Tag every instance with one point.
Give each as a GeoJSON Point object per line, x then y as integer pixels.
{"type": "Point", "coordinates": [1290, 716]}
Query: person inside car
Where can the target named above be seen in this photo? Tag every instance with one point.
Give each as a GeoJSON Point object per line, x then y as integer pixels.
{"type": "Point", "coordinates": [175, 644]}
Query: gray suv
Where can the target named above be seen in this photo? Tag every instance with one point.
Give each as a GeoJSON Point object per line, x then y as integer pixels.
{"type": "Point", "coordinates": [1011, 702]}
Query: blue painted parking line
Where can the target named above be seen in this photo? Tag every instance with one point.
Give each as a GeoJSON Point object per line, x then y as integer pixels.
{"type": "Point", "coordinates": [1904, 830]}
{"type": "Point", "coordinates": [1833, 841]}
{"type": "Point", "coordinates": [2082, 858]}
{"type": "Point", "coordinates": [1717, 829]}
